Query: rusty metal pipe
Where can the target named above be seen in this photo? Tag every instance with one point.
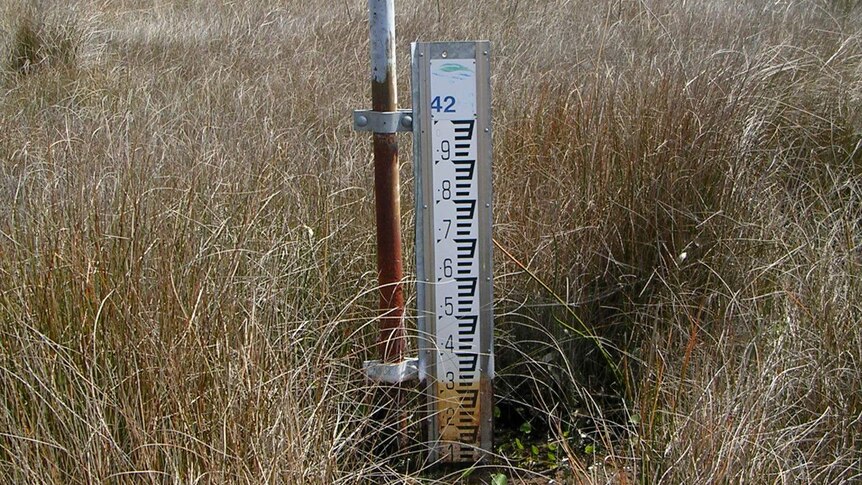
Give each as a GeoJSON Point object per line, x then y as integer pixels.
{"type": "Point", "coordinates": [384, 98]}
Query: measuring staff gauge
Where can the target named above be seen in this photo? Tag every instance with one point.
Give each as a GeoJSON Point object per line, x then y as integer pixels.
{"type": "Point", "coordinates": [452, 145]}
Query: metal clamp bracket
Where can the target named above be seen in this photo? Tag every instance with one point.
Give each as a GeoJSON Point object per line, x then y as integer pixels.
{"type": "Point", "coordinates": [383, 121]}
{"type": "Point", "coordinates": [404, 371]}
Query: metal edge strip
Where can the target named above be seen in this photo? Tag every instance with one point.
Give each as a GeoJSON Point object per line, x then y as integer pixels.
{"type": "Point", "coordinates": [424, 248]}
{"type": "Point", "coordinates": [483, 94]}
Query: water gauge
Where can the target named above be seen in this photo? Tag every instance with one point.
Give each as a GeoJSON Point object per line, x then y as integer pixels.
{"type": "Point", "coordinates": [452, 143]}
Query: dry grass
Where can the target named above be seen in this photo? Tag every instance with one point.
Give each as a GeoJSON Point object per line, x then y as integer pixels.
{"type": "Point", "coordinates": [186, 241]}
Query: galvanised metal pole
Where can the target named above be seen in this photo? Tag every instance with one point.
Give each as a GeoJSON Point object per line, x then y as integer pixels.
{"type": "Point", "coordinates": [384, 98]}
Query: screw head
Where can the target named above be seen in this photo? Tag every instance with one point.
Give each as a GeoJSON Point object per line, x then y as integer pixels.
{"type": "Point", "coordinates": [362, 120]}
{"type": "Point", "coordinates": [407, 121]}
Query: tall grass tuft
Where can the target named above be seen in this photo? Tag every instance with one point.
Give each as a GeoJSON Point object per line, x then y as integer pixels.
{"type": "Point", "coordinates": [42, 34]}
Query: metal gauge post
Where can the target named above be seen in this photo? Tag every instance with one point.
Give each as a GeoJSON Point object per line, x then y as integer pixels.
{"type": "Point", "coordinates": [452, 145]}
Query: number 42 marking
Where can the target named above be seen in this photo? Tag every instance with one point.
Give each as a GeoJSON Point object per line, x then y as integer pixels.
{"type": "Point", "coordinates": [447, 105]}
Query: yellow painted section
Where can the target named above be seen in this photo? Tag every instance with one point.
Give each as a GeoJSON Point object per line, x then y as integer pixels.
{"type": "Point", "coordinates": [458, 413]}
